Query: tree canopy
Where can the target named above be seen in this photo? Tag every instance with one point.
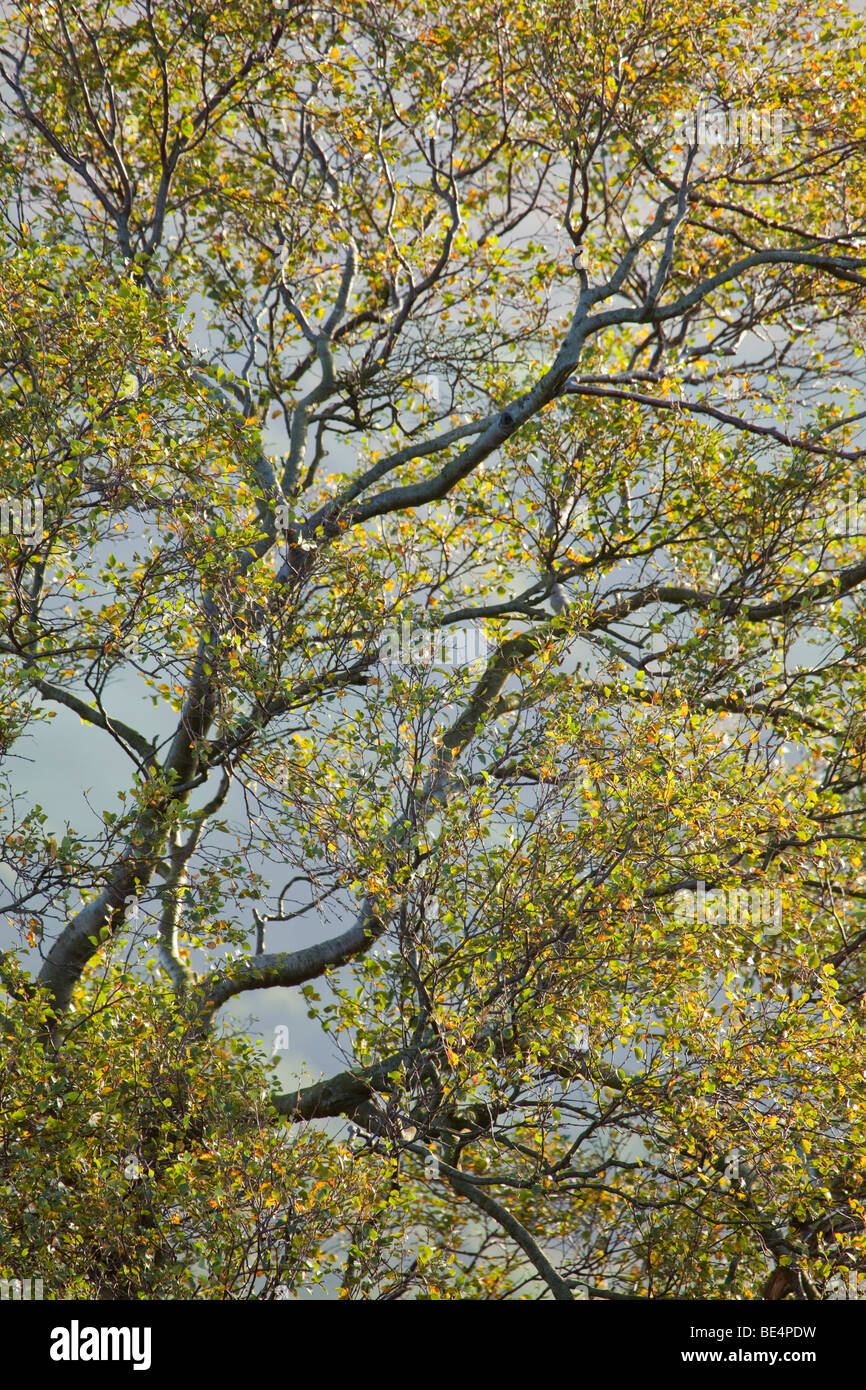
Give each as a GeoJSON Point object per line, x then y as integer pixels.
{"type": "Point", "coordinates": [443, 424]}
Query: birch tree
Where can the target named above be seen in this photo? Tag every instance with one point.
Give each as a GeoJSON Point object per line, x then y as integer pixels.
{"type": "Point", "coordinates": [450, 418]}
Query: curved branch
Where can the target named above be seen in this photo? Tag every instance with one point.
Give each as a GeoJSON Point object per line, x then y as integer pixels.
{"type": "Point", "coordinates": [123, 733]}
{"type": "Point", "coordinates": [295, 967]}
{"type": "Point", "coordinates": [510, 1224]}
